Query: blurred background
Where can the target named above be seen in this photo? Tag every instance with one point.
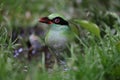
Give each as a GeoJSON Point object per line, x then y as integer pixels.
{"type": "Point", "coordinates": [27, 12]}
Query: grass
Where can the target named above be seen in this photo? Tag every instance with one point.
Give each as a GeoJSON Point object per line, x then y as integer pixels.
{"type": "Point", "coordinates": [92, 58]}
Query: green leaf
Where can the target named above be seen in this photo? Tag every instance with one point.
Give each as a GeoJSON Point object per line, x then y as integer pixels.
{"type": "Point", "coordinates": [118, 46]}
{"type": "Point", "coordinates": [91, 27]}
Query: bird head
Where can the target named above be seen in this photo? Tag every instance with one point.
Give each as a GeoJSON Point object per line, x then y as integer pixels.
{"type": "Point", "coordinates": [54, 19]}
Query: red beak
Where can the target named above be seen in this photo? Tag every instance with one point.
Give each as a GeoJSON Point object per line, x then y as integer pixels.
{"type": "Point", "coordinates": [45, 20]}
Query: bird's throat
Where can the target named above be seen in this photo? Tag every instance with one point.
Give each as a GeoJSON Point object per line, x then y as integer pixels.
{"type": "Point", "coordinates": [57, 27]}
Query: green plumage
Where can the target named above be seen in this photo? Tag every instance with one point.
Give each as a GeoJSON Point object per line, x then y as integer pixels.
{"type": "Point", "coordinates": [58, 36]}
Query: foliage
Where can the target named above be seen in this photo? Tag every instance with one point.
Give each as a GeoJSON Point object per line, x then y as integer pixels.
{"type": "Point", "coordinates": [91, 58]}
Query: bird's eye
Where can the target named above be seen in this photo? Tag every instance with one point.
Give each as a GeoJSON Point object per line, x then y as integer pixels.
{"type": "Point", "coordinates": [57, 20]}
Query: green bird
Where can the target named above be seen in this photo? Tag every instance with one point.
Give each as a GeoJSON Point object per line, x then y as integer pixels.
{"type": "Point", "coordinates": [59, 34]}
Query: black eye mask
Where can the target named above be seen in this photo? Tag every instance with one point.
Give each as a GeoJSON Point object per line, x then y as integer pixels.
{"type": "Point", "coordinates": [59, 20]}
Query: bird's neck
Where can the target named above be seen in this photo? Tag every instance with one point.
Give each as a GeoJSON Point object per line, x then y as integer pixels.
{"type": "Point", "coordinates": [57, 27]}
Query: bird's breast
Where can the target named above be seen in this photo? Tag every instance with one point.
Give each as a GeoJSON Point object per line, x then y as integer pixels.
{"type": "Point", "coordinates": [56, 39]}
